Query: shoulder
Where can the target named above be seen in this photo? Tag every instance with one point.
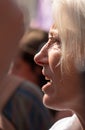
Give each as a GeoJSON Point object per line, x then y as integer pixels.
{"type": "Point", "coordinates": [30, 87]}
{"type": "Point", "coordinates": [68, 123]}
{"type": "Point", "coordinates": [25, 105]}
{"type": "Point", "coordinates": [26, 94]}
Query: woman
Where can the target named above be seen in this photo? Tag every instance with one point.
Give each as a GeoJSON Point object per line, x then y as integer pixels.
{"type": "Point", "coordinates": [63, 62]}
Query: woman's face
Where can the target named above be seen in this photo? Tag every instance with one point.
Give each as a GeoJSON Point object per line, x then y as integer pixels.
{"type": "Point", "coordinates": [61, 90]}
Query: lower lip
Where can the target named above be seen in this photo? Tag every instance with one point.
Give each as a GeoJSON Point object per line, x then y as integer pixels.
{"type": "Point", "coordinates": [46, 87]}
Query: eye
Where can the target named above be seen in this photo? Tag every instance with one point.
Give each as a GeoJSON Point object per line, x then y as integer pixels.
{"type": "Point", "coordinates": [55, 40]}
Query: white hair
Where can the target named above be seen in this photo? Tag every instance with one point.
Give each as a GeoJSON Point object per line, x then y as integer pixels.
{"type": "Point", "coordinates": [69, 17]}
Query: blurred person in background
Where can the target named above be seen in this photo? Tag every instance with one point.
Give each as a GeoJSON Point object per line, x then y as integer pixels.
{"type": "Point", "coordinates": [13, 21]}
{"type": "Point", "coordinates": [27, 102]}
{"type": "Point", "coordinates": [21, 105]}
{"type": "Point", "coordinates": [24, 65]}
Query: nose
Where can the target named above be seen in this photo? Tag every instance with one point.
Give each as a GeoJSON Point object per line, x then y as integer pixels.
{"type": "Point", "coordinates": [41, 58]}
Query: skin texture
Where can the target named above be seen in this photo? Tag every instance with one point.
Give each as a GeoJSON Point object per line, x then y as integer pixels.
{"type": "Point", "coordinates": [57, 91]}
{"type": "Point", "coordinates": [11, 30]}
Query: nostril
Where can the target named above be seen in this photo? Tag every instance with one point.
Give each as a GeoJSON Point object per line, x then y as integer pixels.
{"type": "Point", "coordinates": [37, 61]}
{"type": "Point", "coordinates": [40, 59]}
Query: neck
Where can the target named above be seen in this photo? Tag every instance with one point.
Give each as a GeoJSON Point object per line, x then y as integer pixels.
{"type": "Point", "coordinates": [81, 115]}
{"type": "Point", "coordinates": [79, 110]}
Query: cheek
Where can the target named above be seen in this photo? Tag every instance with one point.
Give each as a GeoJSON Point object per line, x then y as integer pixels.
{"type": "Point", "coordinates": [54, 58]}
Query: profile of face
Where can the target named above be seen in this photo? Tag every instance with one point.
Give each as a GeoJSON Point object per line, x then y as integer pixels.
{"type": "Point", "coordinates": [61, 90]}
{"type": "Point", "coordinates": [11, 30]}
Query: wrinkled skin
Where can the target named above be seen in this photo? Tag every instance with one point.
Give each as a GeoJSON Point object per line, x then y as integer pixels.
{"type": "Point", "coordinates": [63, 90]}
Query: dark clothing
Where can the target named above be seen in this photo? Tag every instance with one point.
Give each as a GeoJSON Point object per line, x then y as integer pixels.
{"type": "Point", "coordinates": [25, 109]}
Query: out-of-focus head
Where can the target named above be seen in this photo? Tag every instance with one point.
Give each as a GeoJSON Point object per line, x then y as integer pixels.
{"type": "Point", "coordinates": [69, 19]}
{"type": "Point", "coordinates": [24, 65]}
{"type": "Point", "coordinates": [33, 40]}
{"type": "Point", "coordinates": [12, 27]}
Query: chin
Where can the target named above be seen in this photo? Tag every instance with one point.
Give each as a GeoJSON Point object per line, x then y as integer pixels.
{"type": "Point", "coordinates": [48, 102]}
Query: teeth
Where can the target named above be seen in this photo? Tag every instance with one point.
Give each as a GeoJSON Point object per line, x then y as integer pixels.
{"type": "Point", "coordinates": [51, 81]}
{"type": "Point", "coordinates": [46, 78]}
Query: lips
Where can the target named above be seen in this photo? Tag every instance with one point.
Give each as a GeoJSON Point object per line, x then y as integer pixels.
{"type": "Point", "coordinates": [46, 88]}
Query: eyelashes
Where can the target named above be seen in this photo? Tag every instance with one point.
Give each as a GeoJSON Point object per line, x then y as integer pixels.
{"type": "Point", "coordinates": [54, 40]}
